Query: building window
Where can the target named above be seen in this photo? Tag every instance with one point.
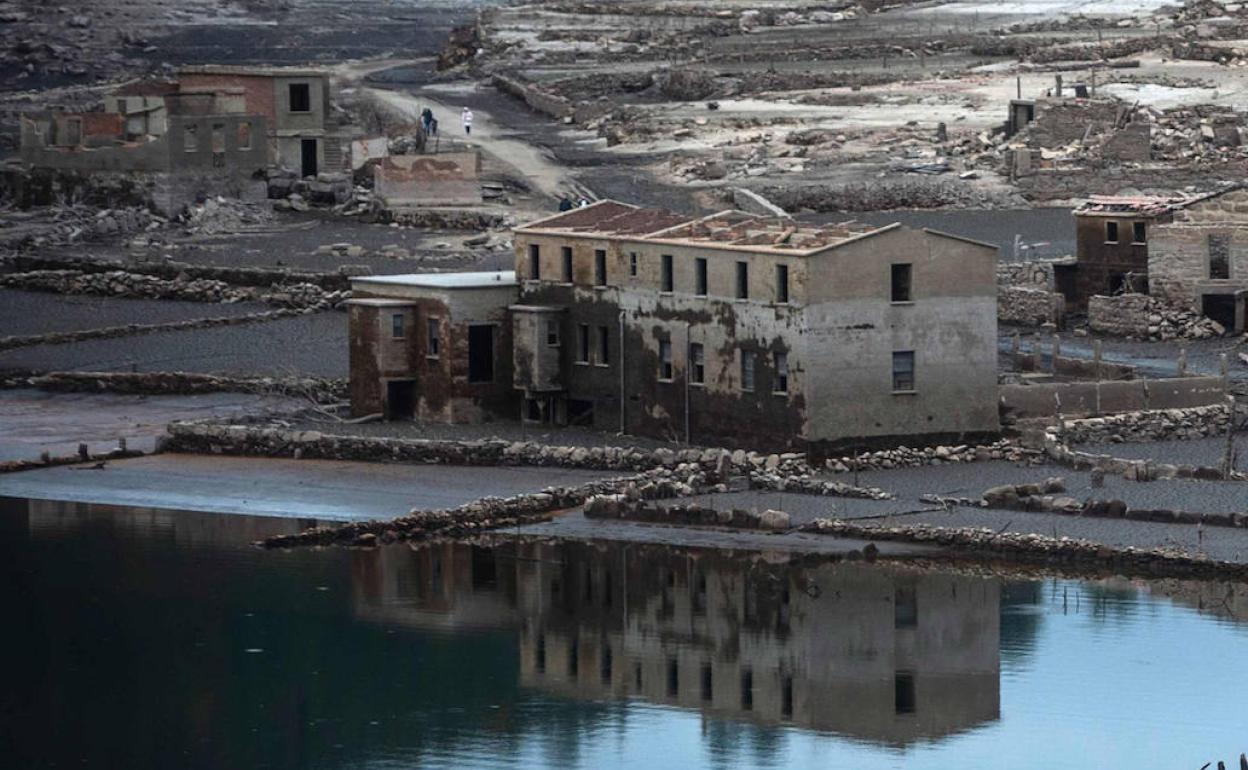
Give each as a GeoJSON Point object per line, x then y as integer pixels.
{"type": "Point", "coordinates": [905, 607]}
{"type": "Point", "coordinates": [708, 683]}
{"type": "Point", "coordinates": [582, 344]}
{"type": "Point", "coordinates": [600, 267]}
{"type": "Point", "coordinates": [481, 353]}
{"type": "Point", "coordinates": [903, 692]}
{"type": "Point", "coordinates": [565, 253]}
{"type": "Point", "coordinates": [782, 373]}
{"type": "Point", "coordinates": [697, 364]}
{"type": "Point", "coordinates": [604, 346]}
{"type": "Point", "coordinates": [535, 262]}
{"type": "Point", "coordinates": [300, 97]}
{"type": "Point", "coordinates": [1139, 232]}
{"type": "Point", "coordinates": [1111, 232]}
{"type": "Point", "coordinates": [552, 334]}
{"type": "Point", "coordinates": [218, 137]}
{"type": "Point", "coordinates": [244, 135]}
{"type": "Point", "coordinates": [665, 360]}
{"type": "Point", "coordinates": [747, 690]}
{"type": "Point", "coordinates": [632, 263]}
{"type": "Point", "coordinates": [747, 371]}
{"type": "Point", "coordinates": [1219, 255]}
{"type": "Point", "coordinates": [673, 678]}
{"type": "Point", "coordinates": [396, 326]}
{"type": "Point", "coordinates": [901, 283]}
{"type": "Point", "coordinates": [903, 371]}
{"type": "Point", "coordinates": [700, 276]}
{"type": "Point", "coordinates": [73, 132]}
{"type": "Point", "coordinates": [743, 280]}
{"type": "Point", "coordinates": [782, 284]}
{"type": "Point", "coordinates": [190, 139]}
{"type": "Point", "coordinates": [668, 282]}
{"type": "Point", "coordinates": [433, 338]}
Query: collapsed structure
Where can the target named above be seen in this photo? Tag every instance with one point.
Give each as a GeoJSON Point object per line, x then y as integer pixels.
{"type": "Point", "coordinates": [213, 131]}
{"type": "Point", "coordinates": [1190, 252]}
{"type": "Point", "coordinates": [732, 328]}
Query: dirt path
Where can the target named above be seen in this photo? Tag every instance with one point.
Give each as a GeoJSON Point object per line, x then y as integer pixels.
{"type": "Point", "coordinates": [542, 172]}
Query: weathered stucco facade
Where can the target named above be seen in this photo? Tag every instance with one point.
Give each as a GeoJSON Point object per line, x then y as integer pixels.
{"type": "Point", "coordinates": [437, 347]}
{"type": "Point", "coordinates": [740, 330]}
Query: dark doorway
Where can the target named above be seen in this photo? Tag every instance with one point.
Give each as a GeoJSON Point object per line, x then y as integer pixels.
{"type": "Point", "coordinates": [400, 399]}
{"type": "Point", "coordinates": [580, 412]}
{"type": "Point", "coordinates": [1064, 280]}
{"type": "Point", "coordinates": [481, 353]}
{"type": "Point", "coordinates": [308, 152]}
{"type": "Point", "coordinates": [1221, 308]}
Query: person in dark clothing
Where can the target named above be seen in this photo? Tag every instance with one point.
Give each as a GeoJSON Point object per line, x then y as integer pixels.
{"type": "Point", "coordinates": [565, 204]}
{"type": "Point", "coordinates": [426, 120]}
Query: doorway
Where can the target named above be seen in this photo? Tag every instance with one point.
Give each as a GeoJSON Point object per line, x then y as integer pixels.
{"type": "Point", "coordinates": [481, 353]}
{"type": "Point", "coordinates": [400, 399]}
{"type": "Point", "coordinates": [307, 148]}
{"type": "Point", "coordinates": [1221, 308]}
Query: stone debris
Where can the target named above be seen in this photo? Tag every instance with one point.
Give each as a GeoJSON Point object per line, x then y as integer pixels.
{"type": "Point", "coordinates": [1045, 498]}
{"type": "Point", "coordinates": [120, 283]}
{"type": "Point", "coordinates": [320, 390]}
{"type": "Point", "coordinates": [108, 332]}
{"type": "Point", "coordinates": [1141, 316]}
{"type": "Point", "coordinates": [913, 457]}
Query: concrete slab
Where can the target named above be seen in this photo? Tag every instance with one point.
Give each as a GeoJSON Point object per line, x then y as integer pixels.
{"type": "Point", "coordinates": [33, 421]}
{"type": "Point", "coordinates": [313, 489]}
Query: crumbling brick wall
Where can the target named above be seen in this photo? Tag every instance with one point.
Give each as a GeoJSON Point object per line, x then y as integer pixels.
{"type": "Point", "coordinates": [1060, 122]}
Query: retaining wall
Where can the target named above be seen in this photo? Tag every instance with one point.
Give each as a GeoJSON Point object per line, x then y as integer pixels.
{"type": "Point", "coordinates": [1081, 399]}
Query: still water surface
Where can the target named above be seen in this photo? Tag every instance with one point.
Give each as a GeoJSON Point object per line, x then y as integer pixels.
{"type": "Point", "coordinates": [138, 638]}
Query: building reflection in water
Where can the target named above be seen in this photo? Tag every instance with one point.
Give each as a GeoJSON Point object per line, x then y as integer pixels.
{"type": "Point", "coordinates": [881, 654]}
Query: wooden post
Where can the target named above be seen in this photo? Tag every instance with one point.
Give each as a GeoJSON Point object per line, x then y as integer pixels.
{"type": "Point", "coordinates": [1014, 346]}
{"type": "Point", "coordinates": [1059, 85]}
{"type": "Point", "coordinates": [1096, 359]}
{"type": "Point", "coordinates": [1228, 457]}
{"type": "Point", "coordinates": [1057, 351]}
{"type": "Point", "coordinates": [1183, 361]}
{"type": "Point", "coordinates": [1018, 85]}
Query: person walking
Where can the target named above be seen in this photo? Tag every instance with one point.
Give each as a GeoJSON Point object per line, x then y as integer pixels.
{"type": "Point", "coordinates": [466, 117]}
{"type": "Point", "coordinates": [426, 120]}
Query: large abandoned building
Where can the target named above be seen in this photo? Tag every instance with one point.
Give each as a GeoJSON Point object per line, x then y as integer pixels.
{"type": "Point", "coordinates": [1191, 252]}
{"type": "Point", "coordinates": [732, 328]}
{"type": "Point", "coordinates": [213, 131]}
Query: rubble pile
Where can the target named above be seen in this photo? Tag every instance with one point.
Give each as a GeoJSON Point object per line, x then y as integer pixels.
{"type": "Point", "coordinates": [73, 224]}
{"type": "Point", "coordinates": [1199, 133]}
{"type": "Point", "coordinates": [224, 215]}
{"type": "Point", "coordinates": [908, 457]}
{"type": "Point", "coordinates": [1141, 316]}
{"type": "Point", "coordinates": [925, 193]}
{"type": "Point", "coordinates": [120, 283]}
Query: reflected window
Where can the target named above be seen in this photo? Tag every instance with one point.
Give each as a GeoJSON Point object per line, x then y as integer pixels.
{"type": "Point", "coordinates": [747, 689]}
{"type": "Point", "coordinates": [539, 654]}
{"type": "Point", "coordinates": [673, 679]}
{"type": "Point", "coordinates": [605, 663]}
{"type": "Point", "coordinates": [574, 659]}
{"type": "Point", "coordinates": [708, 682]}
{"type": "Point", "coordinates": [786, 697]}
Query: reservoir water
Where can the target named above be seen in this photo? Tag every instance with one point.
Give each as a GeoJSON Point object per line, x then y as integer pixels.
{"type": "Point", "coordinates": [142, 638]}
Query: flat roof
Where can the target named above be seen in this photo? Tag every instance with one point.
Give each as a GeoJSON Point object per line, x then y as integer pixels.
{"type": "Point", "coordinates": [382, 302]}
{"type": "Point", "coordinates": [483, 280]}
{"type": "Point", "coordinates": [731, 230]}
{"type": "Point", "coordinates": [242, 69]}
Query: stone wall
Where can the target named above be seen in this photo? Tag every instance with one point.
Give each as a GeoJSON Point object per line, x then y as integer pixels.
{"type": "Point", "coordinates": [1141, 316]}
{"type": "Point", "coordinates": [179, 383]}
{"type": "Point", "coordinates": [126, 284]}
{"type": "Point", "coordinates": [171, 269]}
{"type": "Point", "coordinates": [531, 94]}
{"type": "Point", "coordinates": [1157, 425]}
{"type": "Point", "coordinates": [1179, 267]}
{"type": "Point", "coordinates": [55, 338]}
{"type": "Point", "coordinates": [1029, 307]}
{"type": "Point", "coordinates": [1032, 274]}
{"type": "Point", "coordinates": [276, 442]}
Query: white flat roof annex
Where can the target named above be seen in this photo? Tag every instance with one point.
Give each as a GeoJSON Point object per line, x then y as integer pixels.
{"type": "Point", "coordinates": [483, 280]}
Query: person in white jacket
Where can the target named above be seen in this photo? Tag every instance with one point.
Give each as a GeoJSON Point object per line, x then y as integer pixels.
{"type": "Point", "coordinates": [466, 117]}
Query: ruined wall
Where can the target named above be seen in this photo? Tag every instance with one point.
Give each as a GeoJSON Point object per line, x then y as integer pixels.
{"type": "Point", "coordinates": [1102, 263]}
{"type": "Point", "coordinates": [217, 143]}
{"type": "Point", "coordinates": [531, 94]}
{"type": "Point", "coordinates": [1179, 252]}
{"type": "Point", "coordinates": [150, 155]}
{"type": "Point", "coordinates": [1060, 122]}
{"type": "Point", "coordinates": [852, 330]}
{"type": "Point", "coordinates": [443, 390]}
{"type": "Point", "coordinates": [1130, 144]}
{"type": "Point", "coordinates": [1125, 315]}
{"type": "Point", "coordinates": [1032, 274]}
{"type": "Point", "coordinates": [445, 179]}
{"type": "Point", "coordinates": [259, 94]}
{"type": "Point", "coordinates": [1029, 307]}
